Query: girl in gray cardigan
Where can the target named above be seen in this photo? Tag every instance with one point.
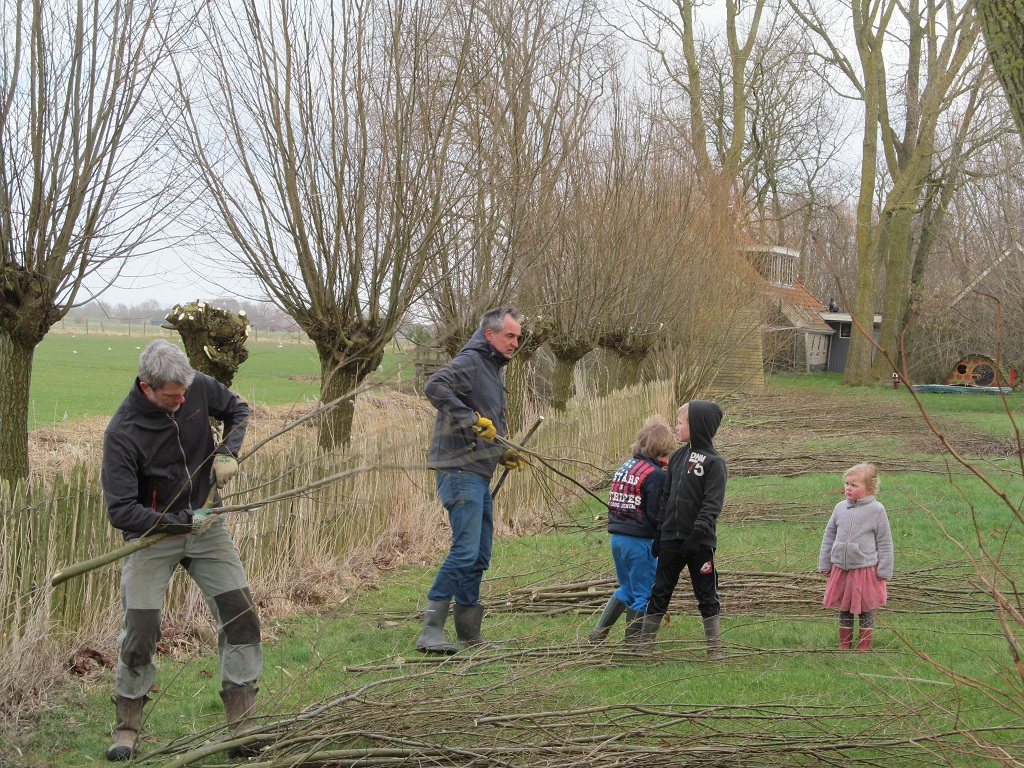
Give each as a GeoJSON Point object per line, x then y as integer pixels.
{"type": "Point", "coordinates": [856, 555]}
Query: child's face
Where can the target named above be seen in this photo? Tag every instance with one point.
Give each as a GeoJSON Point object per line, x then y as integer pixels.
{"type": "Point", "coordinates": [855, 487]}
{"type": "Point", "coordinates": [683, 426]}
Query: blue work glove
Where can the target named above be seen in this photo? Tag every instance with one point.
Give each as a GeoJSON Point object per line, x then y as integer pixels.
{"type": "Point", "coordinates": [485, 428]}
{"type": "Point", "coordinates": [692, 550]}
{"type": "Point", "coordinates": [202, 519]}
{"type": "Point", "coordinates": [224, 468]}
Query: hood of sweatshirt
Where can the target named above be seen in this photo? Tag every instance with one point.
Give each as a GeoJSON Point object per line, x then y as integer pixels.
{"type": "Point", "coordinates": [705, 418]}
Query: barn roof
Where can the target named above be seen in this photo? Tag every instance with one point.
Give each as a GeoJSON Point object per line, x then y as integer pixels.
{"type": "Point", "coordinates": [801, 307]}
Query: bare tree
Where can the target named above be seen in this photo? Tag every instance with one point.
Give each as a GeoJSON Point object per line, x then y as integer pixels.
{"type": "Point", "coordinates": [672, 32]}
{"type": "Point", "coordinates": [80, 169]}
{"type": "Point", "coordinates": [324, 140]}
{"type": "Point", "coordinates": [534, 70]}
{"type": "Point", "coordinates": [935, 50]}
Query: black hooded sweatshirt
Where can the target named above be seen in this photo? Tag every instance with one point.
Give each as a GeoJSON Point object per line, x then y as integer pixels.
{"type": "Point", "coordinates": [695, 488]}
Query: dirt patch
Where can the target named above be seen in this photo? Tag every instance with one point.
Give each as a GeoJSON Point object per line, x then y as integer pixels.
{"type": "Point", "coordinates": [795, 434]}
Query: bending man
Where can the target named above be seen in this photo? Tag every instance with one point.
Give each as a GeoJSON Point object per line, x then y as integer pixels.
{"type": "Point", "coordinates": [159, 465]}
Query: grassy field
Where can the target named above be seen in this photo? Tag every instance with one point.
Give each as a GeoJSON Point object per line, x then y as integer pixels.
{"type": "Point", "coordinates": [77, 375]}
{"type": "Point", "coordinates": [940, 688]}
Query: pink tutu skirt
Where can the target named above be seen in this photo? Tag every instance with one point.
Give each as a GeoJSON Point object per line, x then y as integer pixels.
{"type": "Point", "coordinates": [854, 591]}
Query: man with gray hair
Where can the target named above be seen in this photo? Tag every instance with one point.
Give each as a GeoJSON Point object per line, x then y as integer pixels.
{"type": "Point", "coordinates": [469, 395]}
{"type": "Point", "coordinates": [160, 464]}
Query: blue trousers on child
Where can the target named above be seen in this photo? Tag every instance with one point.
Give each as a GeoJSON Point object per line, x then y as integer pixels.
{"type": "Point", "coordinates": [635, 567]}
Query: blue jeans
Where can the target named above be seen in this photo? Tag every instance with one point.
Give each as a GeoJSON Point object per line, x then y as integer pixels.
{"type": "Point", "coordinates": [634, 568]}
{"type": "Point", "coordinates": [467, 497]}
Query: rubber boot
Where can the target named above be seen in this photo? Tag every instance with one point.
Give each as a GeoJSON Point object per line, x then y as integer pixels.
{"type": "Point", "coordinates": [239, 704]}
{"type": "Point", "coordinates": [126, 731]}
{"type": "Point", "coordinates": [864, 641]}
{"type": "Point", "coordinates": [467, 625]}
{"type": "Point", "coordinates": [648, 633]}
{"type": "Point", "coordinates": [432, 639]}
{"type": "Point", "coordinates": [845, 638]}
{"type": "Point", "coordinates": [713, 635]}
{"type": "Point", "coordinates": [612, 610]}
{"type": "Point", "coordinates": [634, 625]}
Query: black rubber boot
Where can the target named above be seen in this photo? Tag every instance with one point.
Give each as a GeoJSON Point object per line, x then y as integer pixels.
{"type": "Point", "coordinates": [648, 633]}
{"type": "Point", "coordinates": [432, 639]}
{"type": "Point", "coordinates": [634, 625]}
{"type": "Point", "coordinates": [612, 610]}
{"type": "Point", "coordinates": [239, 704]}
{"type": "Point", "coordinates": [467, 625]}
{"type": "Point", "coordinates": [126, 731]}
{"type": "Point", "coordinates": [713, 635]}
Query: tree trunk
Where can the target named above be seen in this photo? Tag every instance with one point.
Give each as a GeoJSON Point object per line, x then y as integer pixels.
{"type": "Point", "coordinates": [515, 393]}
{"type": "Point", "coordinates": [623, 369]}
{"type": "Point", "coordinates": [562, 385]}
{"type": "Point", "coordinates": [1002, 22]}
{"type": "Point", "coordinates": [336, 425]}
{"type": "Point", "coordinates": [15, 378]}
{"type": "Point", "coordinates": [896, 298]}
{"type": "Point", "coordinates": [858, 360]}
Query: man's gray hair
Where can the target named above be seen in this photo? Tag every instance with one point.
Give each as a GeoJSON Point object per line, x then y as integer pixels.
{"type": "Point", "coordinates": [494, 319]}
{"type": "Point", "coordinates": [163, 363]}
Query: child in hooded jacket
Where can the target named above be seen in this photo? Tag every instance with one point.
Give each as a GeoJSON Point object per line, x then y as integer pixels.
{"type": "Point", "coordinates": [633, 501]}
{"type": "Point", "coordinates": [857, 556]}
{"type": "Point", "coordinates": [690, 505]}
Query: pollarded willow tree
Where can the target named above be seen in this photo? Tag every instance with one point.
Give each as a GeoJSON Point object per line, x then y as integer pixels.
{"type": "Point", "coordinates": [323, 138]}
{"type": "Point", "coordinates": [80, 169]}
{"type": "Point", "coordinates": [534, 70]}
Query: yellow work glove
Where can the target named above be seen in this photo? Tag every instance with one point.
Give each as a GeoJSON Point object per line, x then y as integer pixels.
{"type": "Point", "coordinates": [514, 459]}
{"type": "Point", "coordinates": [224, 468]}
{"type": "Point", "coordinates": [485, 427]}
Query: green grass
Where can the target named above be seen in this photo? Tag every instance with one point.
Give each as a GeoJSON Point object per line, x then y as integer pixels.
{"type": "Point", "coordinates": [780, 682]}
{"type": "Point", "coordinates": [78, 375]}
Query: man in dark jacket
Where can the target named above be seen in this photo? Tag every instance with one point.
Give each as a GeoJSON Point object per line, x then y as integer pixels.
{"type": "Point", "coordinates": [691, 502]}
{"type": "Point", "coordinates": [160, 463]}
{"type": "Point", "coordinates": [469, 395]}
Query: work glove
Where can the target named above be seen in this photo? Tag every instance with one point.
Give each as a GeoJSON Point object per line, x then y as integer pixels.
{"type": "Point", "coordinates": [201, 520]}
{"type": "Point", "coordinates": [224, 468]}
{"type": "Point", "coordinates": [514, 459]}
{"type": "Point", "coordinates": [485, 427]}
{"type": "Point", "coordinates": [692, 550]}
{"type": "Point", "coordinates": [656, 544]}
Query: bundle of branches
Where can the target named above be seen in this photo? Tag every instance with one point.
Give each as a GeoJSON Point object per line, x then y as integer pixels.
{"type": "Point", "coordinates": [939, 589]}
{"type": "Point", "coordinates": [944, 589]}
{"type": "Point", "coordinates": [464, 711]}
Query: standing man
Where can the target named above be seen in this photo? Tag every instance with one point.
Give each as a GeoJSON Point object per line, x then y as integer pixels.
{"type": "Point", "coordinates": [159, 466]}
{"type": "Point", "coordinates": [469, 395]}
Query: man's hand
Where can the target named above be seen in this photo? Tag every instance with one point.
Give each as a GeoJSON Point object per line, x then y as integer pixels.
{"type": "Point", "coordinates": [514, 459]}
{"type": "Point", "coordinates": [201, 520]}
{"type": "Point", "coordinates": [224, 468]}
{"type": "Point", "coordinates": [485, 428]}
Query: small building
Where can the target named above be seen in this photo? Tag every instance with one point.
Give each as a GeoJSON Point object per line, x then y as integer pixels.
{"type": "Point", "coordinates": [843, 329]}
{"type": "Point", "coordinates": [795, 337]}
